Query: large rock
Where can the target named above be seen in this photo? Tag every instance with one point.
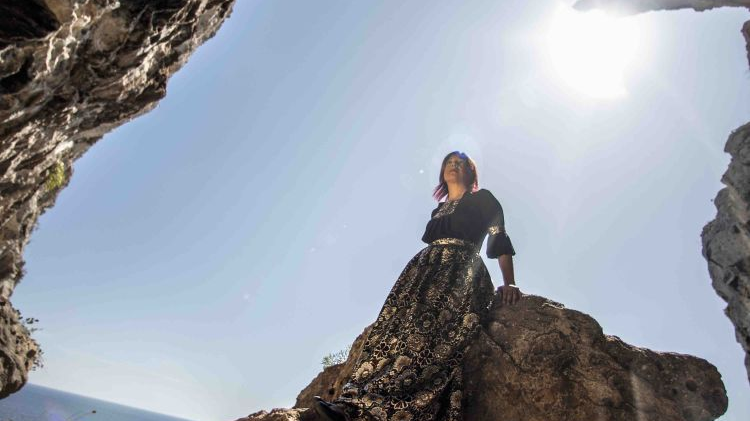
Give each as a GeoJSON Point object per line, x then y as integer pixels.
{"type": "Point", "coordinates": [539, 361]}
{"type": "Point", "coordinates": [71, 71]}
{"type": "Point", "coordinates": [18, 353]}
{"type": "Point", "coordinates": [726, 239]}
{"type": "Point", "coordinates": [330, 381]}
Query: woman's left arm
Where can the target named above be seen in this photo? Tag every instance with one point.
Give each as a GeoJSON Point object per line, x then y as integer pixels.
{"type": "Point", "coordinates": [509, 292]}
{"type": "Point", "coordinates": [499, 246]}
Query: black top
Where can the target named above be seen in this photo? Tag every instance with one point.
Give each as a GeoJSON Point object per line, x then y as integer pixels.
{"type": "Point", "coordinates": [471, 218]}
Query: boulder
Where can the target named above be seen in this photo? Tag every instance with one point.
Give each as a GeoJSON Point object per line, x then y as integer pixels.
{"type": "Point", "coordinates": [726, 239]}
{"type": "Point", "coordinates": [539, 361]}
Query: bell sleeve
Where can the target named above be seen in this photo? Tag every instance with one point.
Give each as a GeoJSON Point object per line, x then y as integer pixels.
{"type": "Point", "coordinates": [498, 242]}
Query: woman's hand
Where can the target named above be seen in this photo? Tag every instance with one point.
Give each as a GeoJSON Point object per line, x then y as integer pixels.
{"type": "Point", "coordinates": [509, 294]}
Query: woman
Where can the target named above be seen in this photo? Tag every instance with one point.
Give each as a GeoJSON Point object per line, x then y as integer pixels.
{"type": "Point", "coordinates": [410, 365]}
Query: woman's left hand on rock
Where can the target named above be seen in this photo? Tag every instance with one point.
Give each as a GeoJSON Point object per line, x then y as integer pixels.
{"type": "Point", "coordinates": [509, 294]}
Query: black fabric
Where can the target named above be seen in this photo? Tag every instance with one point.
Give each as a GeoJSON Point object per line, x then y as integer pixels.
{"type": "Point", "coordinates": [409, 367]}
{"type": "Point", "coordinates": [475, 214]}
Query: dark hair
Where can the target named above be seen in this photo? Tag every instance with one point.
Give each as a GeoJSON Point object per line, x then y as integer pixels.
{"type": "Point", "coordinates": [472, 181]}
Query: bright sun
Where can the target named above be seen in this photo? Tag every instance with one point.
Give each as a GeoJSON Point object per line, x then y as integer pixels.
{"type": "Point", "coordinates": [591, 51]}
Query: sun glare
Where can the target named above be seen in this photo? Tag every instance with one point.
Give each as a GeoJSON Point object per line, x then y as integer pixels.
{"type": "Point", "coordinates": [591, 51]}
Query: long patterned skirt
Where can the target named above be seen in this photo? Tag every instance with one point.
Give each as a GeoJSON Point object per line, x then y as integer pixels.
{"type": "Point", "coordinates": [410, 365]}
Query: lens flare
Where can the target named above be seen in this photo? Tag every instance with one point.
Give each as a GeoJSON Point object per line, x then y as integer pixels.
{"type": "Point", "coordinates": [591, 51]}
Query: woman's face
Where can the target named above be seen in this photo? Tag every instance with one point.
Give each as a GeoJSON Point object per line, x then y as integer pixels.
{"type": "Point", "coordinates": [455, 170]}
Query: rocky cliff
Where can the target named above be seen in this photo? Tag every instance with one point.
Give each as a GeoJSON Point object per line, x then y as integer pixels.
{"type": "Point", "coordinates": [539, 361]}
{"type": "Point", "coordinates": [71, 71]}
{"type": "Point", "coordinates": [726, 239]}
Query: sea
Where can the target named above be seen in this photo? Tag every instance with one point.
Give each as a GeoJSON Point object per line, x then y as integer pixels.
{"type": "Point", "coordinates": [37, 403]}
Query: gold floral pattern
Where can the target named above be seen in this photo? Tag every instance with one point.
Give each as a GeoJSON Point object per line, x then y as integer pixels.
{"type": "Point", "coordinates": [452, 242]}
{"type": "Point", "coordinates": [382, 363]}
{"type": "Point", "coordinates": [363, 371]}
{"type": "Point", "coordinates": [445, 316]}
{"type": "Point", "coordinates": [410, 365]}
{"type": "Point", "coordinates": [379, 414]}
{"type": "Point", "coordinates": [415, 342]}
{"type": "Point", "coordinates": [495, 229]}
{"type": "Point", "coordinates": [402, 416]}
{"type": "Point", "coordinates": [447, 208]}
{"type": "Point", "coordinates": [456, 399]}
{"type": "Point", "coordinates": [442, 352]}
{"type": "Point", "coordinates": [401, 363]}
{"type": "Point", "coordinates": [470, 320]}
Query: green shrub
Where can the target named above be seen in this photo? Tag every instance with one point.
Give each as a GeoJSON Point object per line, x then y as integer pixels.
{"type": "Point", "coordinates": [336, 357]}
{"type": "Point", "coordinates": [29, 324]}
{"type": "Point", "coordinates": [55, 176]}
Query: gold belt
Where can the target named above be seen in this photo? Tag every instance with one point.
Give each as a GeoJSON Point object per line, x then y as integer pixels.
{"type": "Point", "coordinates": [454, 242]}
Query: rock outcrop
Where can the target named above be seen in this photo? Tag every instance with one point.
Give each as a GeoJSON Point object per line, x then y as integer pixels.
{"type": "Point", "coordinates": [18, 353]}
{"type": "Point", "coordinates": [726, 239]}
{"type": "Point", "coordinates": [71, 71]}
{"type": "Point", "coordinates": [330, 381]}
{"type": "Point", "coordinates": [539, 361]}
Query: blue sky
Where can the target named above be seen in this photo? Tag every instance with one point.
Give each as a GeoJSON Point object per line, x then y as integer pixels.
{"type": "Point", "coordinates": [207, 255]}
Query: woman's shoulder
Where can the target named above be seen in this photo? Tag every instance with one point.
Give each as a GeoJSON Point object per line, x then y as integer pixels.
{"type": "Point", "coordinates": [483, 194]}
{"type": "Point", "coordinates": [486, 198]}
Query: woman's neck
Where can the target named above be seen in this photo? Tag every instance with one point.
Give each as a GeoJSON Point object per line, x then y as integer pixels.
{"type": "Point", "coordinates": [455, 191]}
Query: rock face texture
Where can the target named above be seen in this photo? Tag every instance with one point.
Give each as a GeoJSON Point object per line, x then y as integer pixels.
{"type": "Point", "coordinates": [726, 239]}
{"type": "Point", "coordinates": [18, 353]}
{"type": "Point", "coordinates": [539, 361]}
{"type": "Point", "coordinates": [330, 381]}
{"type": "Point", "coordinates": [71, 71]}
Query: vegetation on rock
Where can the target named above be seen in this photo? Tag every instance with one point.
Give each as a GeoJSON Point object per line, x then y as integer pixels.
{"type": "Point", "coordinates": [30, 325]}
{"type": "Point", "coordinates": [55, 176]}
{"type": "Point", "coordinates": [339, 357]}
